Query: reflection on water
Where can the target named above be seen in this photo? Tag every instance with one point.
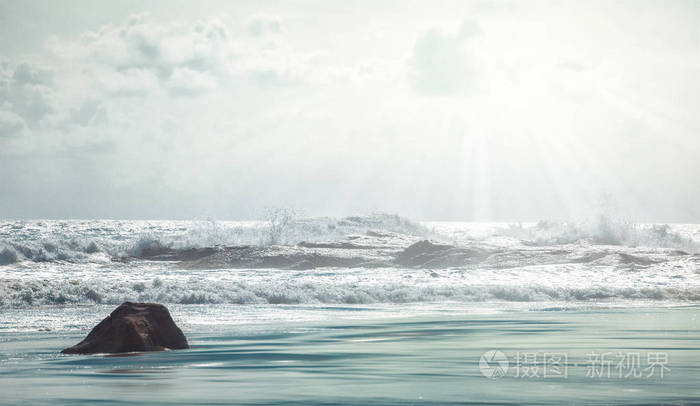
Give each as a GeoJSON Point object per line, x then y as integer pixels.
{"type": "Point", "coordinates": [412, 360]}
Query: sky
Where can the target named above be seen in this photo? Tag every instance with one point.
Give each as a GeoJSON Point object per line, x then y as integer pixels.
{"type": "Point", "coordinates": [435, 110]}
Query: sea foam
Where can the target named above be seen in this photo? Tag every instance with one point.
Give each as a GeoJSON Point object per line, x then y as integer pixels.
{"type": "Point", "coordinates": [354, 260]}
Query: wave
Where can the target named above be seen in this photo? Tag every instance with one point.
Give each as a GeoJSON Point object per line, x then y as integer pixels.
{"type": "Point", "coordinates": [46, 251]}
{"type": "Point", "coordinates": [197, 291]}
{"type": "Point", "coordinates": [604, 231]}
{"type": "Point", "coordinates": [102, 241]}
{"type": "Point", "coordinates": [8, 256]}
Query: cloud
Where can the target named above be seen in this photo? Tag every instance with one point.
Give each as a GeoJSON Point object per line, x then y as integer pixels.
{"type": "Point", "coordinates": [10, 124]}
{"type": "Point", "coordinates": [184, 81]}
{"type": "Point", "coordinates": [442, 62]}
{"type": "Point", "coordinates": [143, 57]}
{"type": "Point", "coordinates": [91, 112]}
{"type": "Point", "coordinates": [263, 24]}
{"type": "Point", "coordinates": [143, 43]}
{"type": "Point", "coordinates": [26, 74]}
{"type": "Point", "coordinates": [129, 82]}
{"type": "Point", "coordinates": [132, 77]}
{"type": "Point", "coordinates": [27, 92]}
{"type": "Point", "coordinates": [161, 112]}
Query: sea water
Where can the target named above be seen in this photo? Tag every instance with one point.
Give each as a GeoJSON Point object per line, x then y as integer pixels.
{"type": "Point", "coordinates": [543, 313]}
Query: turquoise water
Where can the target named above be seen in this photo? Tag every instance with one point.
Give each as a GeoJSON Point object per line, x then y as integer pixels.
{"type": "Point", "coordinates": [360, 310]}
{"type": "Point", "coordinates": [358, 355]}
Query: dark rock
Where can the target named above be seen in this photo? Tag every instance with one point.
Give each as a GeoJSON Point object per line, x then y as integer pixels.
{"type": "Point", "coordinates": [133, 327]}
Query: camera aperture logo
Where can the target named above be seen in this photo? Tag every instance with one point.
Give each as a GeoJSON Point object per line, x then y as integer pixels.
{"type": "Point", "coordinates": [493, 364]}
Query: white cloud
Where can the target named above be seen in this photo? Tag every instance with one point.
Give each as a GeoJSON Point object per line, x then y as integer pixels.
{"type": "Point", "coordinates": [10, 123]}
{"type": "Point", "coordinates": [26, 74]}
{"type": "Point", "coordinates": [187, 81]}
{"type": "Point", "coordinates": [263, 24]}
{"type": "Point", "coordinates": [126, 82]}
{"type": "Point", "coordinates": [308, 109]}
{"type": "Point", "coordinates": [27, 92]}
{"type": "Point", "coordinates": [91, 112]}
{"type": "Point", "coordinates": [118, 84]}
{"type": "Point", "coordinates": [443, 62]}
{"type": "Point", "coordinates": [144, 56]}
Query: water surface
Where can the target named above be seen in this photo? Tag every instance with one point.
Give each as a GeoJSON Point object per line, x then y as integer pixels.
{"type": "Point", "coordinates": [368, 357]}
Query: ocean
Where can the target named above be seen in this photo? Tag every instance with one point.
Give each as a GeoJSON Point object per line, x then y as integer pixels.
{"type": "Point", "coordinates": [360, 310]}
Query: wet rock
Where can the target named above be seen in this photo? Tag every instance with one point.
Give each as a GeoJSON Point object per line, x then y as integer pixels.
{"type": "Point", "coordinates": [133, 327]}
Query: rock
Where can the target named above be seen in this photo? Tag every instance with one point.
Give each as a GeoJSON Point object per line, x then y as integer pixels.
{"type": "Point", "coordinates": [133, 327]}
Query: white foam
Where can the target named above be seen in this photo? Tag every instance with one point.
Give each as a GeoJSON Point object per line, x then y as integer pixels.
{"type": "Point", "coordinates": [100, 240]}
{"type": "Point", "coordinates": [70, 262]}
{"type": "Point", "coordinates": [675, 281]}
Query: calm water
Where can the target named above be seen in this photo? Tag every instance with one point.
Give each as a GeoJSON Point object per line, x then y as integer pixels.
{"type": "Point", "coordinates": [363, 355]}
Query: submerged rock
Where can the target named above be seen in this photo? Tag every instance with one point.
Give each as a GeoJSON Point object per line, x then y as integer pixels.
{"type": "Point", "coordinates": [133, 327]}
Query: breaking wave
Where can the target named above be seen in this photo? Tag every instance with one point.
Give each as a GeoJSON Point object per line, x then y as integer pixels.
{"type": "Point", "coordinates": [46, 251]}
{"type": "Point", "coordinates": [605, 231]}
{"type": "Point", "coordinates": [103, 240]}
{"type": "Point", "coordinates": [378, 258]}
{"type": "Point", "coordinates": [188, 291]}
